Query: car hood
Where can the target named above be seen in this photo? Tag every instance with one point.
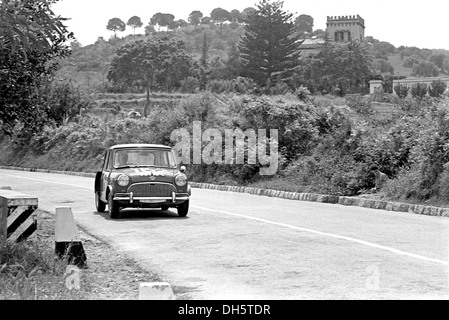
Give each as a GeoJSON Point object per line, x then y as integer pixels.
{"type": "Point", "coordinates": [147, 174]}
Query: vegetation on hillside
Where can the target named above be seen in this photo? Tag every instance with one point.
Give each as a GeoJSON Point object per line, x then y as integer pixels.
{"type": "Point", "coordinates": [201, 71]}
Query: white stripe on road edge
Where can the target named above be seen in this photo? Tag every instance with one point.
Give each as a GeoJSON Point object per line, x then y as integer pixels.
{"type": "Point", "coordinates": [362, 242]}
{"type": "Point", "coordinates": [49, 181]}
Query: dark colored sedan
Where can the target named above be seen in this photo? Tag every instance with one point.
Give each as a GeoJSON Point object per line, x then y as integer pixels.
{"type": "Point", "coordinates": [141, 176]}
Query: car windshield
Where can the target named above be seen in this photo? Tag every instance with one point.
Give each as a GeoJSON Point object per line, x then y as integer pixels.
{"type": "Point", "coordinates": [143, 158]}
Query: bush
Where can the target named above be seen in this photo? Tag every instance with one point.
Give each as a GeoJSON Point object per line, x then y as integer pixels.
{"type": "Point", "coordinates": [401, 90]}
{"type": "Point", "coordinates": [302, 93]}
{"type": "Point", "coordinates": [359, 104]}
{"type": "Point", "coordinates": [404, 186]}
{"type": "Point", "coordinates": [243, 85]}
{"type": "Point", "coordinates": [437, 88]}
{"type": "Point", "coordinates": [280, 88]}
{"type": "Point", "coordinates": [190, 85]}
{"type": "Point", "coordinates": [419, 90]}
{"type": "Point", "coordinates": [293, 121]}
{"type": "Point", "coordinates": [220, 86]}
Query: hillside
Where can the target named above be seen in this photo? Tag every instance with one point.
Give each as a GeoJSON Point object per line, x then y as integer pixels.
{"type": "Point", "coordinates": [397, 63]}
{"type": "Point", "coordinates": [88, 66]}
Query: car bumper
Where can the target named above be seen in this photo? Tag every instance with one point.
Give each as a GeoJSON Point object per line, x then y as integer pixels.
{"type": "Point", "coordinates": [129, 197]}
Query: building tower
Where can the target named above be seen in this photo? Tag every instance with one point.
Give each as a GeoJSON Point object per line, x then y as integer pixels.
{"type": "Point", "coordinates": [346, 28]}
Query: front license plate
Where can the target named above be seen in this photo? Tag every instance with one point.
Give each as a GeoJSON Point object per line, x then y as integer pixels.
{"type": "Point", "coordinates": [152, 201]}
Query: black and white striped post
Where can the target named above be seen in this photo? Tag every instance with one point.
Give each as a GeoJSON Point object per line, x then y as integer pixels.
{"type": "Point", "coordinates": [18, 218]}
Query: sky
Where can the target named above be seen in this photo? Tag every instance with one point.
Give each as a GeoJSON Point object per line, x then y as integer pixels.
{"type": "Point", "coordinates": [423, 24]}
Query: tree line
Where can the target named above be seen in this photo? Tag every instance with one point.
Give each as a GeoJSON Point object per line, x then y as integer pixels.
{"type": "Point", "coordinates": [304, 23]}
{"type": "Point", "coordinates": [167, 20]}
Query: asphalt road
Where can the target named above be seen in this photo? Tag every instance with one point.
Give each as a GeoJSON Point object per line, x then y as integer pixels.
{"type": "Point", "coordinates": [243, 246]}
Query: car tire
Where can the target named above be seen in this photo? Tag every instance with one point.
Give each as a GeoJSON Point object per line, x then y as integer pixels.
{"type": "Point", "coordinates": [113, 208]}
{"type": "Point", "coordinates": [164, 208]}
{"type": "Point", "coordinates": [183, 209]}
{"type": "Point", "coordinates": [100, 205]}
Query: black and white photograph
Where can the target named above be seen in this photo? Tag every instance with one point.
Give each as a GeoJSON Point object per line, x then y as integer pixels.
{"type": "Point", "coordinates": [224, 156]}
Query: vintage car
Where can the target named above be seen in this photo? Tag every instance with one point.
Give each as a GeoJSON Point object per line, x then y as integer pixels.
{"type": "Point", "coordinates": [141, 176]}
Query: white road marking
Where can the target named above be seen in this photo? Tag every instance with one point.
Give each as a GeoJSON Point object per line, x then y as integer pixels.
{"type": "Point", "coordinates": [362, 242]}
{"type": "Point", "coordinates": [48, 181]}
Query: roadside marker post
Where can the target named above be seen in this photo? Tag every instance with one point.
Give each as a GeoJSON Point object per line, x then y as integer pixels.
{"type": "Point", "coordinates": [67, 241]}
{"type": "Point", "coordinates": [155, 291]}
{"type": "Point", "coordinates": [18, 219]}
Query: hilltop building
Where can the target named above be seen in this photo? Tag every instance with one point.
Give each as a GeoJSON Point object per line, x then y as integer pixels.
{"type": "Point", "coordinates": [346, 28]}
{"type": "Point", "coordinates": [340, 29]}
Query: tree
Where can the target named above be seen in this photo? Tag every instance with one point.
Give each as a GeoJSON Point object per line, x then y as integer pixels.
{"type": "Point", "coordinates": [157, 62]}
{"type": "Point", "coordinates": [177, 24]}
{"type": "Point", "coordinates": [162, 19]}
{"type": "Point", "coordinates": [233, 63]}
{"type": "Point", "coordinates": [425, 69]}
{"type": "Point", "coordinates": [205, 20]}
{"type": "Point", "coordinates": [347, 67]}
{"type": "Point", "coordinates": [219, 15]}
{"type": "Point", "coordinates": [304, 24]}
{"type": "Point", "coordinates": [31, 38]}
{"type": "Point", "coordinates": [383, 66]}
{"type": "Point", "coordinates": [195, 17]}
{"type": "Point", "coordinates": [149, 29]}
{"type": "Point", "coordinates": [446, 65]}
{"type": "Point", "coordinates": [319, 33]}
{"type": "Point", "coordinates": [135, 22]}
{"type": "Point", "coordinates": [37, 33]}
{"type": "Point", "coordinates": [247, 12]}
{"type": "Point", "coordinates": [401, 90]}
{"type": "Point", "coordinates": [268, 45]}
{"type": "Point", "coordinates": [116, 24]}
{"type": "Point", "coordinates": [438, 60]}
{"type": "Point", "coordinates": [236, 16]}
{"type": "Point", "coordinates": [437, 88]}
{"type": "Point", "coordinates": [204, 71]}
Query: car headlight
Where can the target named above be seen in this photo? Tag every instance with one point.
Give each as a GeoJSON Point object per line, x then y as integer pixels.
{"type": "Point", "coordinates": [123, 180]}
{"type": "Point", "coordinates": [181, 179]}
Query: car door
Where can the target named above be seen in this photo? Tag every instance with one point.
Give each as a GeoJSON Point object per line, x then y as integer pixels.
{"type": "Point", "coordinates": [105, 173]}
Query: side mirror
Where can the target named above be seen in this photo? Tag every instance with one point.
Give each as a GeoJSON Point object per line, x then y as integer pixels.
{"type": "Point", "coordinates": [182, 169]}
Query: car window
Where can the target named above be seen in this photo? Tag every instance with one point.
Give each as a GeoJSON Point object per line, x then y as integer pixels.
{"type": "Point", "coordinates": [109, 163]}
{"type": "Point", "coordinates": [106, 160]}
{"type": "Point", "coordinates": [143, 157]}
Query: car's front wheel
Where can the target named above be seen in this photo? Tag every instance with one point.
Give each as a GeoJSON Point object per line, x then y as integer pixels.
{"type": "Point", "coordinates": [183, 209]}
{"type": "Point", "coordinates": [100, 205]}
{"type": "Point", "coordinates": [113, 208]}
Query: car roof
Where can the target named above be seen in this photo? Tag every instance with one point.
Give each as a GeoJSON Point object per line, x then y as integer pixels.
{"type": "Point", "coordinates": [139, 145]}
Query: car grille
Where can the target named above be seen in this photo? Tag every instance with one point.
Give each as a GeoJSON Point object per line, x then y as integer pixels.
{"type": "Point", "coordinates": [149, 189]}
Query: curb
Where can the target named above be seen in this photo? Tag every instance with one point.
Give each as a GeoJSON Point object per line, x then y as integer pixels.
{"type": "Point", "coordinates": [311, 197]}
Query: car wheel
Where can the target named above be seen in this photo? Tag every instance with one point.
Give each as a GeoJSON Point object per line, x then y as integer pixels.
{"type": "Point", "coordinates": [183, 208]}
{"type": "Point", "coordinates": [113, 208]}
{"type": "Point", "coordinates": [164, 208]}
{"type": "Point", "coordinates": [100, 205]}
